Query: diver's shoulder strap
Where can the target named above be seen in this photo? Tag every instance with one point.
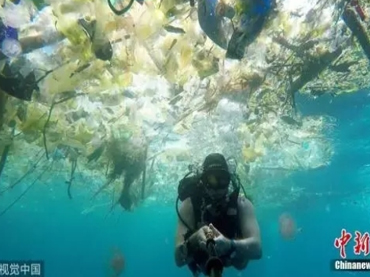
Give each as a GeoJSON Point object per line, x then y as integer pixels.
{"type": "Point", "coordinates": [196, 201]}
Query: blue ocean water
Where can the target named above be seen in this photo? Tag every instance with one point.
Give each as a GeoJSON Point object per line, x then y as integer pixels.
{"type": "Point", "coordinates": [48, 226]}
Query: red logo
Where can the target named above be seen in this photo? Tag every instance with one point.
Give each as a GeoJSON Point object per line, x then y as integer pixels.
{"type": "Point", "coordinates": [362, 242]}
{"type": "Point", "coordinates": [342, 242]}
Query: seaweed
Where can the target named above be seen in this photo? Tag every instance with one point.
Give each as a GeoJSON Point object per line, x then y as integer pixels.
{"type": "Point", "coordinates": [291, 121]}
{"type": "Point", "coordinates": [5, 153]}
{"type": "Point", "coordinates": [350, 18]}
{"type": "Point", "coordinates": [103, 187]}
{"type": "Point", "coordinates": [94, 156]}
{"type": "Point", "coordinates": [68, 95]}
{"type": "Point", "coordinates": [33, 167]}
{"type": "Point", "coordinates": [26, 190]}
{"type": "Point", "coordinates": [80, 69]}
{"type": "Point", "coordinates": [127, 160]}
{"type": "Point", "coordinates": [71, 178]}
{"type": "Point", "coordinates": [3, 101]}
{"type": "Point", "coordinates": [131, 175]}
{"type": "Point", "coordinates": [144, 175]}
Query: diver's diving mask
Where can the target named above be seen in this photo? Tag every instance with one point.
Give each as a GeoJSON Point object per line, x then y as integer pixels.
{"type": "Point", "coordinates": [216, 179]}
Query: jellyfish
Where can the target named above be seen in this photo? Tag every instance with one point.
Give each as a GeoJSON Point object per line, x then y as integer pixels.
{"type": "Point", "coordinates": [287, 226]}
{"type": "Point", "coordinates": [116, 263]}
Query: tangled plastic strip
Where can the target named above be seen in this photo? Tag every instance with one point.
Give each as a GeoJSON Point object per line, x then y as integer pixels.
{"type": "Point", "coordinates": [123, 10]}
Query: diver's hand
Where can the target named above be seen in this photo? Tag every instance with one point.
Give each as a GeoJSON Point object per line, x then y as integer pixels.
{"type": "Point", "coordinates": [223, 244]}
{"type": "Point", "coordinates": [198, 239]}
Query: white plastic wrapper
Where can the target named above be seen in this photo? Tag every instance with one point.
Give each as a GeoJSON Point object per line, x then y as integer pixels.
{"type": "Point", "coordinates": [15, 15]}
{"type": "Point", "coordinates": [11, 47]}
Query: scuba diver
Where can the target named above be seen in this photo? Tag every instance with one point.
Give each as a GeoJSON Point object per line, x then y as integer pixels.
{"type": "Point", "coordinates": [251, 15]}
{"type": "Point", "coordinates": [217, 228]}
